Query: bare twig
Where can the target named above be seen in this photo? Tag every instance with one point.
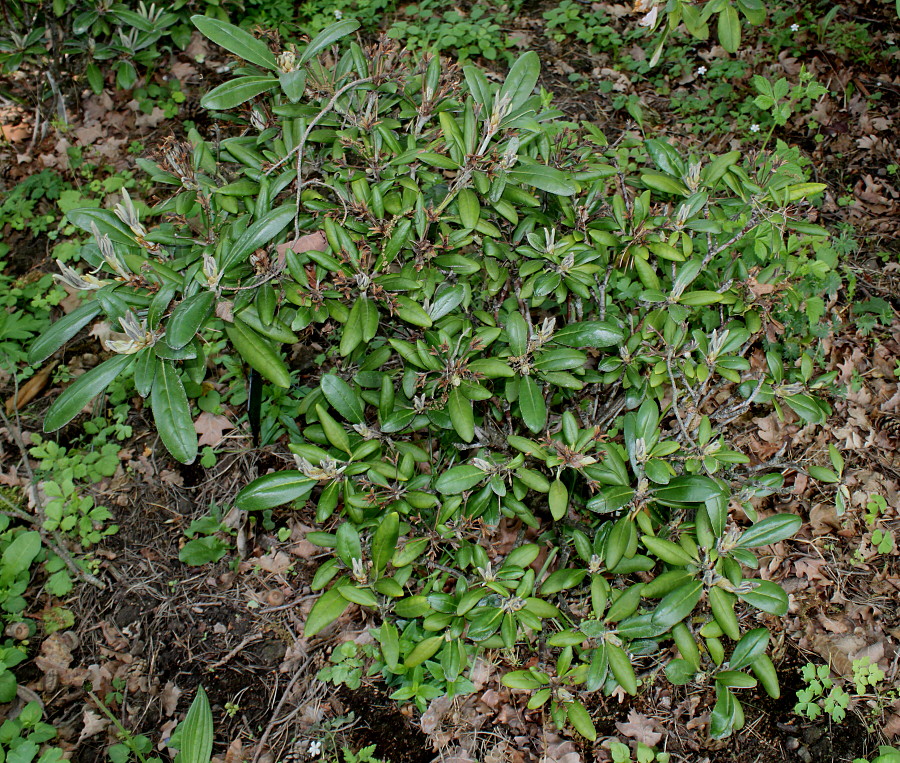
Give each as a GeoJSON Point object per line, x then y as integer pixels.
{"type": "Point", "coordinates": [275, 720]}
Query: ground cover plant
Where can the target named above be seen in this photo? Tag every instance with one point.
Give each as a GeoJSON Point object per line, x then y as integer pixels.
{"type": "Point", "coordinates": [465, 261]}
{"type": "Point", "coordinates": [497, 361]}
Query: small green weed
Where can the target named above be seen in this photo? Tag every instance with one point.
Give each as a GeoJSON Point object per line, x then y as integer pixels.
{"type": "Point", "coordinates": [821, 694]}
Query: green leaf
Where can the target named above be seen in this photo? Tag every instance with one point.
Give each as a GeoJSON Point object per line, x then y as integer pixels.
{"type": "Point", "coordinates": [61, 332]}
{"type": "Point", "coordinates": [106, 222]}
{"type": "Point", "coordinates": [460, 410]}
{"type": "Point", "coordinates": [770, 530]}
{"type": "Point", "coordinates": [235, 92]}
{"type": "Point", "coordinates": [767, 596]}
{"type": "Point", "coordinates": [807, 408]}
{"type": "Point", "coordinates": [679, 671]}
{"type": "Point", "coordinates": [581, 720]}
{"type": "Point", "coordinates": [752, 644]}
{"type": "Point", "coordinates": [328, 608]}
{"type": "Point", "coordinates": [19, 554]}
{"type": "Point", "coordinates": [187, 319]}
{"type": "Point", "coordinates": [293, 84]}
{"type": "Point", "coordinates": [540, 176]}
{"type": "Point", "coordinates": [589, 334]}
{"type": "Point", "coordinates": [611, 499]}
{"type": "Point", "coordinates": [521, 679]}
{"type": "Point", "coordinates": [729, 28]}
{"type": "Point", "coordinates": [517, 333]}
{"type": "Point", "coordinates": [822, 474]}
{"type": "Point", "coordinates": [520, 82]}
{"type": "Point", "coordinates": [342, 398]}
{"type": "Point", "coordinates": [458, 479]}
{"type": "Point", "coordinates": [677, 604]}
{"type": "Point", "coordinates": [262, 232]}
{"type": "Point", "coordinates": [692, 488]}
{"type": "Point", "coordinates": [622, 668]}
{"type": "Point", "coordinates": [362, 596]}
{"type": "Point", "coordinates": [84, 389]}
{"type": "Point", "coordinates": [478, 87]}
{"type": "Point", "coordinates": [423, 650]}
{"type": "Point", "coordinates": [667, 551]}
{"type": "Point", "coordinates": [236, 40]}
{"type": "Point", "coordinates": [273, 490]}
{"type": "Point", "coordinates": [384, 541]}
{"type": "Point", "coordinates": [725, 714]}
{"type": "Point", "coordinates": [334, 431]}
{"type": "Point", "coordinates": [469, 208]}
{"type": "Point", "coordinates": [197, 731]}
{"type": "Point", "coordinates": [327, 37]}
{"type": "Point", "coordinates": [558, 499]}
{"type": "Point", "coordinates": [660, 182]}
{"type": "Point", "coordinates": [532, 405]}
{"type": "Point", "coordinates": [172, 414]}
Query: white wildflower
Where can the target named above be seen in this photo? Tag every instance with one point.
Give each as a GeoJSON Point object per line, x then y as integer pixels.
{"type": "Point", "coordinates": [338, 14]}
{"type": "Point", "coordinates": [795, 27]}
{"type": "Point", "coordinates": [315, 749]}
{"type": "Point", "coordinates": [754, 128]}
{"type": "Point", "coordinates": [701, 70]}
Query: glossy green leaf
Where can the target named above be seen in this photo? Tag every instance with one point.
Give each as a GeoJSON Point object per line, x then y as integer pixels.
{"type": "Point", "coordinates": [328, 608]}
{"type": "Point", "coordinates": [84, 389]}
{"type": "Point", "coordinates": [767, 596]}
{"type": "Point", "coordinates": [106, 222]}
{"type": "Point", "coordinates": [677, 604]}
{"type": "Point", "coordinates": [729, 28]}
{"type": "Point", "coordinates": [424, 650]}
{"type": "Point", "coordinates": [20, 553]}
{"type": "Point", "coordinates": [259, 234]}
{"type": "Point", "coordinates": [342, 398]}
{"type": "Point", "coordinates": [770, 530]}
{"type": "Point", "coordinates": [692, 488]}
{"type": "Point", "coordinates": [188, 318]}
{"type": "Point", "coordinates": [621, 668]}
{"type": "Point", "coordinates": [273, 490]}
{"type": "Point", "coordinates": [327, 37]}
{"type": "Point", "coordinates": [334, 431]}
{"type": "Point", "coordinates": [589, 334]}
{"type": "Point", "coordinates": [521, 80]}
{"type": "Point", "coordinates": [542, 177]}
{"type": "Point", "coordinates": [236, 40]}
{"type": "Point", "coordinates": [236, 91]}
{"type": "Point", "coordinates": [172, 414]}
{"type": "Point", "coordinates": [581, 720]}
{"type": "Point", "coordinates": [50, 340]}
{"type": "Point", "coordinates": [384, 541]}
{"type": "Point", "coordinates": [752, 644]}
{"type": "Point", "coordinates": [460, 410]}
{"type": "Point", "coordinates": [458, 479]}
{"type": "Point", "coordinates": [532, 405]}
{"type": "Point", "coordinates": [558, 499]}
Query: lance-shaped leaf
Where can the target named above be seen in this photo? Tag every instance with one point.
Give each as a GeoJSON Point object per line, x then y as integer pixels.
{"type": "Point", "coordinates": [172, 414]}
{"type": "Point", "coordinates": [84, 389]}
{"type": "Point", "coordinates": [236, 40]}
{"type": "Point", "coordinates": [61, 332]}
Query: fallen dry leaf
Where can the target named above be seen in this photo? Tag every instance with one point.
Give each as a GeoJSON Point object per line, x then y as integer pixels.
{"type": "Point", "coordinates": [169, 698]}
{"type": "Point", "coordinates": [211, 428]}
{"type": "Point", "coordinates": [30, 389]}
{"type": "Point", "coordinates": [93, 724]}
{"type": "Point", "coordinates": [639, 727]}
{"type": "Point", "coordinates": [312, 242]}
